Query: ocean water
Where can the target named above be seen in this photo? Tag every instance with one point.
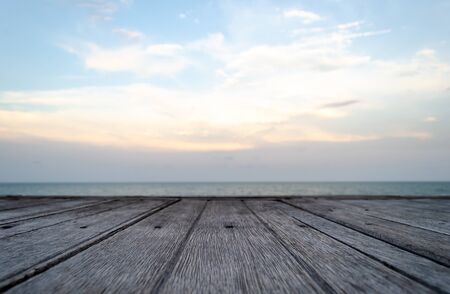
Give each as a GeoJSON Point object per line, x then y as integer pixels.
{"type": "Point", "coordinates": [229, 189]}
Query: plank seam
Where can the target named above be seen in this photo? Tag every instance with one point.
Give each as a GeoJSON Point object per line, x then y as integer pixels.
{"type": "Point", "coordinates": [364, 233]}
{"type": "Point", "coordinates": [409, 225]}
{"type": "Point", "coordinates": [174, 260]}
{"type": "Point", "coordinates": [25, 206]}
{"type": "Point", "coordinates": [360, 206]}
{"type": "Point", "coordinates": [45, 265]}
{"type": "Point", "coordinates": [68, 220]}
{"type": "Point", "coordinates": [384, 263]}
{"type": "Point", "coordinates": [324, 285]}
{"type": "Point", "coordinates": [370, 213]}
{"type": "Point", "coordinates": [37, 215]}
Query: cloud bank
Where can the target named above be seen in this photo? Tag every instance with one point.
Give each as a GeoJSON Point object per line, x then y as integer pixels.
{"type": "Point", "coordinates": [309, 87]}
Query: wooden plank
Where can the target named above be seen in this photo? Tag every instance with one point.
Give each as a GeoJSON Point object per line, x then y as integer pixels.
{"type": "Point", "coordinates": [439, 206]}
{"type": "Point", "coordinates": [437, 203]}
{"type": "Point", "coordinates": [414, 214]}
{"type": "Point", "coordinates": [17, 203]}
{"type": "Point", "coordinates": [429, 206]}
{"type": "Point", "coordinates": [426, 243]}
{"type": "Point", "coordinates": [28, 225]}
{"type": "Point", "coordinates": [131, 261]}
{"type": "Point", "coordinates": [230, 251]}
{"type": "Point", "coordinates": [444, 204]}
{"type": "Point", "coordinates": [418, 268]}
{"type": "Point", "coordinates": [345, 269]}
{"type": "Point", "coordinates": [225, 247]}
{"type": "Point", "coordinates": [25, 251]}
{"type": "Point", "coordinates": [8, 216]}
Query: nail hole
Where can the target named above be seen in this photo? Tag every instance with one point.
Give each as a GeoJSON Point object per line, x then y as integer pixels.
{"type": "Point", "coordinates": [301, 225]}
{"type": "Point", "coordinates": [229, 226]}
{"type": "Point", "coordinates": [366, 209]}
{"type": "Point", "coordinates": [5, 227]}
{"type": "Point", "coordinates": [157, 227]}
{"type": "Point", "coordinates": [83, 227]}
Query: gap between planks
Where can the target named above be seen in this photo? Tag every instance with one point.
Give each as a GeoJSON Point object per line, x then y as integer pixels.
{"type": "Point", "coordinates": [172, 263]}
{"type": "Point", "coordinates": [384, 263]}
{"type": "Point", "coordinates": [319, 280]}
{"type": "Point", "coordinates": [50, 212]}
{"type": "Point", "coordinates": [349, 226]}
{"type": "Point", "coordinates": [49, 263]}
{"type": "Point", "coordinates": [69, 219]}
{"type": "Point", "coordinates": [181, 247]}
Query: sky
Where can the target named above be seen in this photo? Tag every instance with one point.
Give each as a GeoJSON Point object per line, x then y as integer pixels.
{"type": "Point", "coordinates": [323, 90]}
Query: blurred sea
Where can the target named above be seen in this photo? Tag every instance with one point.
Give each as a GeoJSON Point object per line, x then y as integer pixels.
{"type": "Point", "coordinates": [229, 189]}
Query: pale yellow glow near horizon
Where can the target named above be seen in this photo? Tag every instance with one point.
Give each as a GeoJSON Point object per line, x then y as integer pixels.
{"type": "Point", "coordinates": [313, 90]}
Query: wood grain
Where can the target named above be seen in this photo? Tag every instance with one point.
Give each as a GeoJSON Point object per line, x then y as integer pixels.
{"type": "Point", "coordinates": [49, 207]}
{"type": "Point", "coordinates": [28, 225]}
{"type": "Point", "coordinates": [27, 250]}
{"type": "Point", "coordinates": [230, 251]}
{"type": "Point", "coordinates": [7, 203]}
{"type": "Point", "coordinates": [434, 216]}
{"type": "Point", "coordinates": [432, 245]}
{"type": "Point", "coordinates": [131, 261]}
{"type": "Point", "coordinates": [416, 267]}
{"type": "Point", "coordinates": [342, 267]}
{"type": "Point", "coordinates": [225, 245]}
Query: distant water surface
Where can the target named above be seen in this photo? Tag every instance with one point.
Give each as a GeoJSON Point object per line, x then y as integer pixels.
{"type": "Point", "coordinates": [228, 189]}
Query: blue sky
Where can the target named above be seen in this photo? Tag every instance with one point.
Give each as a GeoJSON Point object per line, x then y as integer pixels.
{"type": "Point", "coordinates": [225, 90]}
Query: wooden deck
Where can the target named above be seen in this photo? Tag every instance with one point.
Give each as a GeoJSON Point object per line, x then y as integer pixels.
{"type": "Point", "coordinates": [200, 245]}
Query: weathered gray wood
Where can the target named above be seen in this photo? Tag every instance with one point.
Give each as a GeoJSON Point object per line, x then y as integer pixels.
{"type": "Point", "coordinates": [431, 216]}
{"type": "Point", "coordinates": [419, 268]}
{"type": "Point", "coordinates": [29, 249]}
{"type": "Point", "coordinates": [131, 261]}
{"type": "Point", "coordinates": [124, 246]}
{"type": "Point", "coordinates": [230, 251]}
{"type": "Point", "coordinates": [430, 244]}
{"type": "Point", "coordinates": [17, 203]}
{"type": "Point", "coordinates": [444, 204]}
{"type": "Point", "coordinates": [8, 216]}
{"type": "Point", "coordinates": [428, 206]}
{"type": "Point", "coordinates": [345, 269]}
{"type": "Point", "coordinates": [27, 225]}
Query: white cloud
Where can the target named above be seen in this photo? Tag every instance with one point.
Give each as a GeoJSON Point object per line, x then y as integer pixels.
{"type": "Point", "coordinates": [412, 135]}
{"type": "Point", "coordinates": [188, 14]}
{"type": "Point", "coordinates": [291, 90]}
{"type": "Point", "coordinates": [185, 14]}
{"type": "Point", "coordinates": [156, 59]}
{"type": "Point", "coordinates": [103, 10]}
{"type": "Point", "coordinates": [306, 17]}
{"type": "Point", "coordinates": [165, 49]}
{"type": "Point", "coordinates": [265, 59]}
{"type": "Point", "coordinates": [430, 119]}
{"type": "Point", "coordinates": [368, 34]}
{"type": "Point", "coordinates": [350, 25]}
{"type": "Point", "coordinates": [130, 34]}
{"type": "Point", "coordinates": [320, 52]}
{"type": "Point", "coordinates": [213, 44]}
{"type": "Point", "coordinates": [427, 53]}
{"type": "Point", "coordinates": [278, 96]}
